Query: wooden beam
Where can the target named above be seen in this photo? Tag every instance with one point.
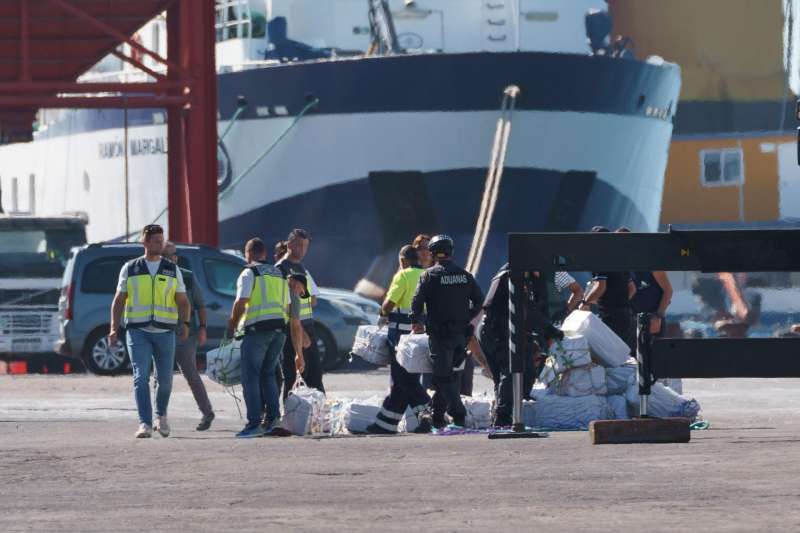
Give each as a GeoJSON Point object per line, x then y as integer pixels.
{"type": "Point", "coordinates": [640, 430]}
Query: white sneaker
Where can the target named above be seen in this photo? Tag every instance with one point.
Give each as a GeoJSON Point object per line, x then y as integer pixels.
{"type": "Point", "coordinates": [162, 426]}
{"type": "Point", "coordinates": [144, 431]}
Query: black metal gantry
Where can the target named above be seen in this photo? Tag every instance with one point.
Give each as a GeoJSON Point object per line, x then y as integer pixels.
{"type": "Point", "coordinates": [689, 250]}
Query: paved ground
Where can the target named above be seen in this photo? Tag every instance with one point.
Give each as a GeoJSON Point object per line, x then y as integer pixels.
{"type": "Point", "coordinates": [69, 463]}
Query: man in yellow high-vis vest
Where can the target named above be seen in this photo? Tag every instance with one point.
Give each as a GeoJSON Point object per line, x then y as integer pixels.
{"type": "Point", "coordinates": [260, 313]}
{"type": "Point", "coordinates": [297, 244]}
{"type": "Point", "coordinates": [152, 296]}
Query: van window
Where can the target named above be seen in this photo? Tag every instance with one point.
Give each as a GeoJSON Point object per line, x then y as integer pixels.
{"type": "Point", "coordinates": [101, 275]}
{"type": "Point", "coordinates": [222, 275]}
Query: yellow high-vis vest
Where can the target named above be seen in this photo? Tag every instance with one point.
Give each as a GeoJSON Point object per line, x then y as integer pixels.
{"type": "Point", "coordinates": [269, 300]}
{"type": "Point", "coordinates": [306, 309]}
{"type": "Point", "coordinates": [151, 299]}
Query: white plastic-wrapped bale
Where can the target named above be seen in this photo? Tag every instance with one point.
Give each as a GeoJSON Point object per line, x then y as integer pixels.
{"type": "Point", "coordinates": [583, 381]}
{"type": "Point", "coordinates": [414, 354]}
{"type": "Point", "coordinates": [539, 390]}
{"type": "Point", "coordinates": [224, 364]}
{"type": "Point", "coordinates": [358, 415]}
{"type": "Point", "coordinates": [529, 412]}
{"type": "Point", "coordinates": [409, 422]}
{"type": "Point", "coordinates": [479, 412]}
{"type": "Point", "coordinates": [620, 378]}
{"type": "Point", "coordinates": [604, 344]}
{"type": "Point", "coordinates": [304, 411]}
{"type": "Point", "coordinates": [619, 406]}
{"type": "Point", "coordinates": [372, 345]}
{"type": "Point", "coordinates": [571, 352]}
{"type": "Point", "coordinates": [675, 384]}
{"type": "Point", "coordinates": [664, 402]}
{"type": "Point", "coordinates": [569, 412]}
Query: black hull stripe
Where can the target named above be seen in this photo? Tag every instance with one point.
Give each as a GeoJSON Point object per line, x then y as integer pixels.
{"type": "Point", "coordinates": [703, 117]}
{"type": "Point", "coordinates": [357, 227]}
{"type": "Point", "coordinates": [426, 83]}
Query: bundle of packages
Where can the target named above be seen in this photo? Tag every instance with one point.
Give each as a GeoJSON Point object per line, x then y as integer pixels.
{"type": "Point", "coordinates": [479, 412]}
{"type": "Point", "coordinates": [359, 414]}
{"type": "Point", "coordinates": [372, 345]}
{"type": "Point", "coordinates": [664, 402]}
{"type": "Point", "coordinates": [529, 412]}
{"type": "Point", "coordinates": [414, 354]}
{"type": "Point", "coordinates": [619, 379]}
{"type": "Point", "coordinates": [605, 345]}
{"type": "Point", "coordinates": [304, 410]}
{"type": "Point", "coordinates": [567, 412]}
{"type": "Point", "coordinates": [619, 406]}
{"type": "Point", "coordinates": [571, 352]}
{"type": "Point", "coordinates": [675, 384]}
{"type": "Point", "coordinates": [409, 422]}
{"type": "Point", "coordinates": [585, 380]}
{"type": "Point", "coordinates": [224, 364]}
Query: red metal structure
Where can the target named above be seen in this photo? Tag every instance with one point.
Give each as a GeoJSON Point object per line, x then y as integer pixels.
{"type": "Point", "coordinates": [45, 45]}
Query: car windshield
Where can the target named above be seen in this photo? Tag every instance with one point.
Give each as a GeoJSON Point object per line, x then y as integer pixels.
{"type": "Point", "coordinates": [37, 252]}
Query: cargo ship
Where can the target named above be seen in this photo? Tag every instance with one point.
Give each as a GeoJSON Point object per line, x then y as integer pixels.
{"type": "Point", "coordinates": [369, 122]}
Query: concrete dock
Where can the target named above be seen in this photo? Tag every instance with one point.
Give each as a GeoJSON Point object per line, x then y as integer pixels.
{"type": "Point", "coordinates": [69, 463]}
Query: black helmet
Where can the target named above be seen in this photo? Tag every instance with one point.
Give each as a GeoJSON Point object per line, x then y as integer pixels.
{"type": "Point", "coordinates": [441, 244]}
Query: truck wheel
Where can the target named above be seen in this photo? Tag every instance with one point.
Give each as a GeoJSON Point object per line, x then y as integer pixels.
{"type": "Point", "coordinates": [102, 358]}
{"type": "Point", "coordinates": [329, 355]}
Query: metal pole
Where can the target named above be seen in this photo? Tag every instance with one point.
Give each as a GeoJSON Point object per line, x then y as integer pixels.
{"type": "Point", "coordinates": [127, 181]}
{"type": "Point", "coordinates": [516, 342]}
{"type": "Point", "coordinates": [644, 347]}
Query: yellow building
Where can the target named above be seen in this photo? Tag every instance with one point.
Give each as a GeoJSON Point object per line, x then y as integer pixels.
{"type": "Point", "coordinates": [733, 157]}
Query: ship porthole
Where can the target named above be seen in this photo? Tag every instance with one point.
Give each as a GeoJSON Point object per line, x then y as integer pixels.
{"type": "Point", "coordinates": [224, 171]}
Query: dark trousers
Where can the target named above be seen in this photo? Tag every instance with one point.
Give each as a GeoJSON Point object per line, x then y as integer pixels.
{"type": "Point", "coordinates": [406, 391]}
{"type": "Point", "coordinates": [448, 351]}
{"type": "Point", "coordinates": [620, 321]}
{"type": "Point", "coordinates": [312, 374]}
{"type": "Point", "coordinates": [496, 351]}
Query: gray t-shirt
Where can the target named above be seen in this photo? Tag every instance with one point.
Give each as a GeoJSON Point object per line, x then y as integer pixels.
{"type": "Point", "coordinates": [152, 268]}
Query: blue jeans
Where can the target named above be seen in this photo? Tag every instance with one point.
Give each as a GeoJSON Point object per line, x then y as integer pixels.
{"type": "Point", "coordinates": [143, 348]}
{"type": "Point", "coordinates": [260, 353]}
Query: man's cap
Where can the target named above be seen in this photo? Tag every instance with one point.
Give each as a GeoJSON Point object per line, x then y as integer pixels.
{"type": "Point", "coordinates": [302, 278]}
{"type": "Point", "coordinates": [600, 229]}
{"type": "Point", "coordinates": [409, 253]}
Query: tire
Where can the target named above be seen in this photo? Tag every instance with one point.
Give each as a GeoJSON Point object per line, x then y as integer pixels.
{"type": "Point", "coordinates": [99, 359]}
{"type": "Point", "coordinates": [329, 355]}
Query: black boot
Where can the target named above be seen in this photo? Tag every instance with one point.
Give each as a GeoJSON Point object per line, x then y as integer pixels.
{"type": "Point", "coordinates": [439, 422]}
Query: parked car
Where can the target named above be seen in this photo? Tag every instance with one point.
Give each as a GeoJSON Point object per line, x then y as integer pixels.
{"type": "Point", "coordinates": [90, 280]}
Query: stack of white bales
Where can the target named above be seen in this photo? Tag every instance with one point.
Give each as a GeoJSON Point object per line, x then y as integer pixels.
{"type": "Point", "coordinates": [590, 376]}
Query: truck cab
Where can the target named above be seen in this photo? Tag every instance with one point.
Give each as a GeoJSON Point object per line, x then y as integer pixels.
{"type": "Point", "coordinates": [33, 255]}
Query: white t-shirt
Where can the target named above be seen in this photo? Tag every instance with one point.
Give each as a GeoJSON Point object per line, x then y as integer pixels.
{"type": "Point", "coordinates": [313, 290]}
{"type": "Point", "coordinates": [245, 283]}
{"type": "Point", "coordinates": [152, 268]}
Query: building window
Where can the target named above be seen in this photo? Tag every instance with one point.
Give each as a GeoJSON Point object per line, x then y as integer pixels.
{"type": "Point", "coordinates": [232, 19]}
{"type": "Point", "coordinates": [719, 168]}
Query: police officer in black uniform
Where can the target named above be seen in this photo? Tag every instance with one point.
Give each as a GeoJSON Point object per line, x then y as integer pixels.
{"type": "Point", "coordinates": [452, 299]}
{"type": "Point", "coordinates": [494, 334]}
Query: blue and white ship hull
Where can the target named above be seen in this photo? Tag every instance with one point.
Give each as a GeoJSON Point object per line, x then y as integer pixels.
{"type": "Point", "coordinates": [396, 146]}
